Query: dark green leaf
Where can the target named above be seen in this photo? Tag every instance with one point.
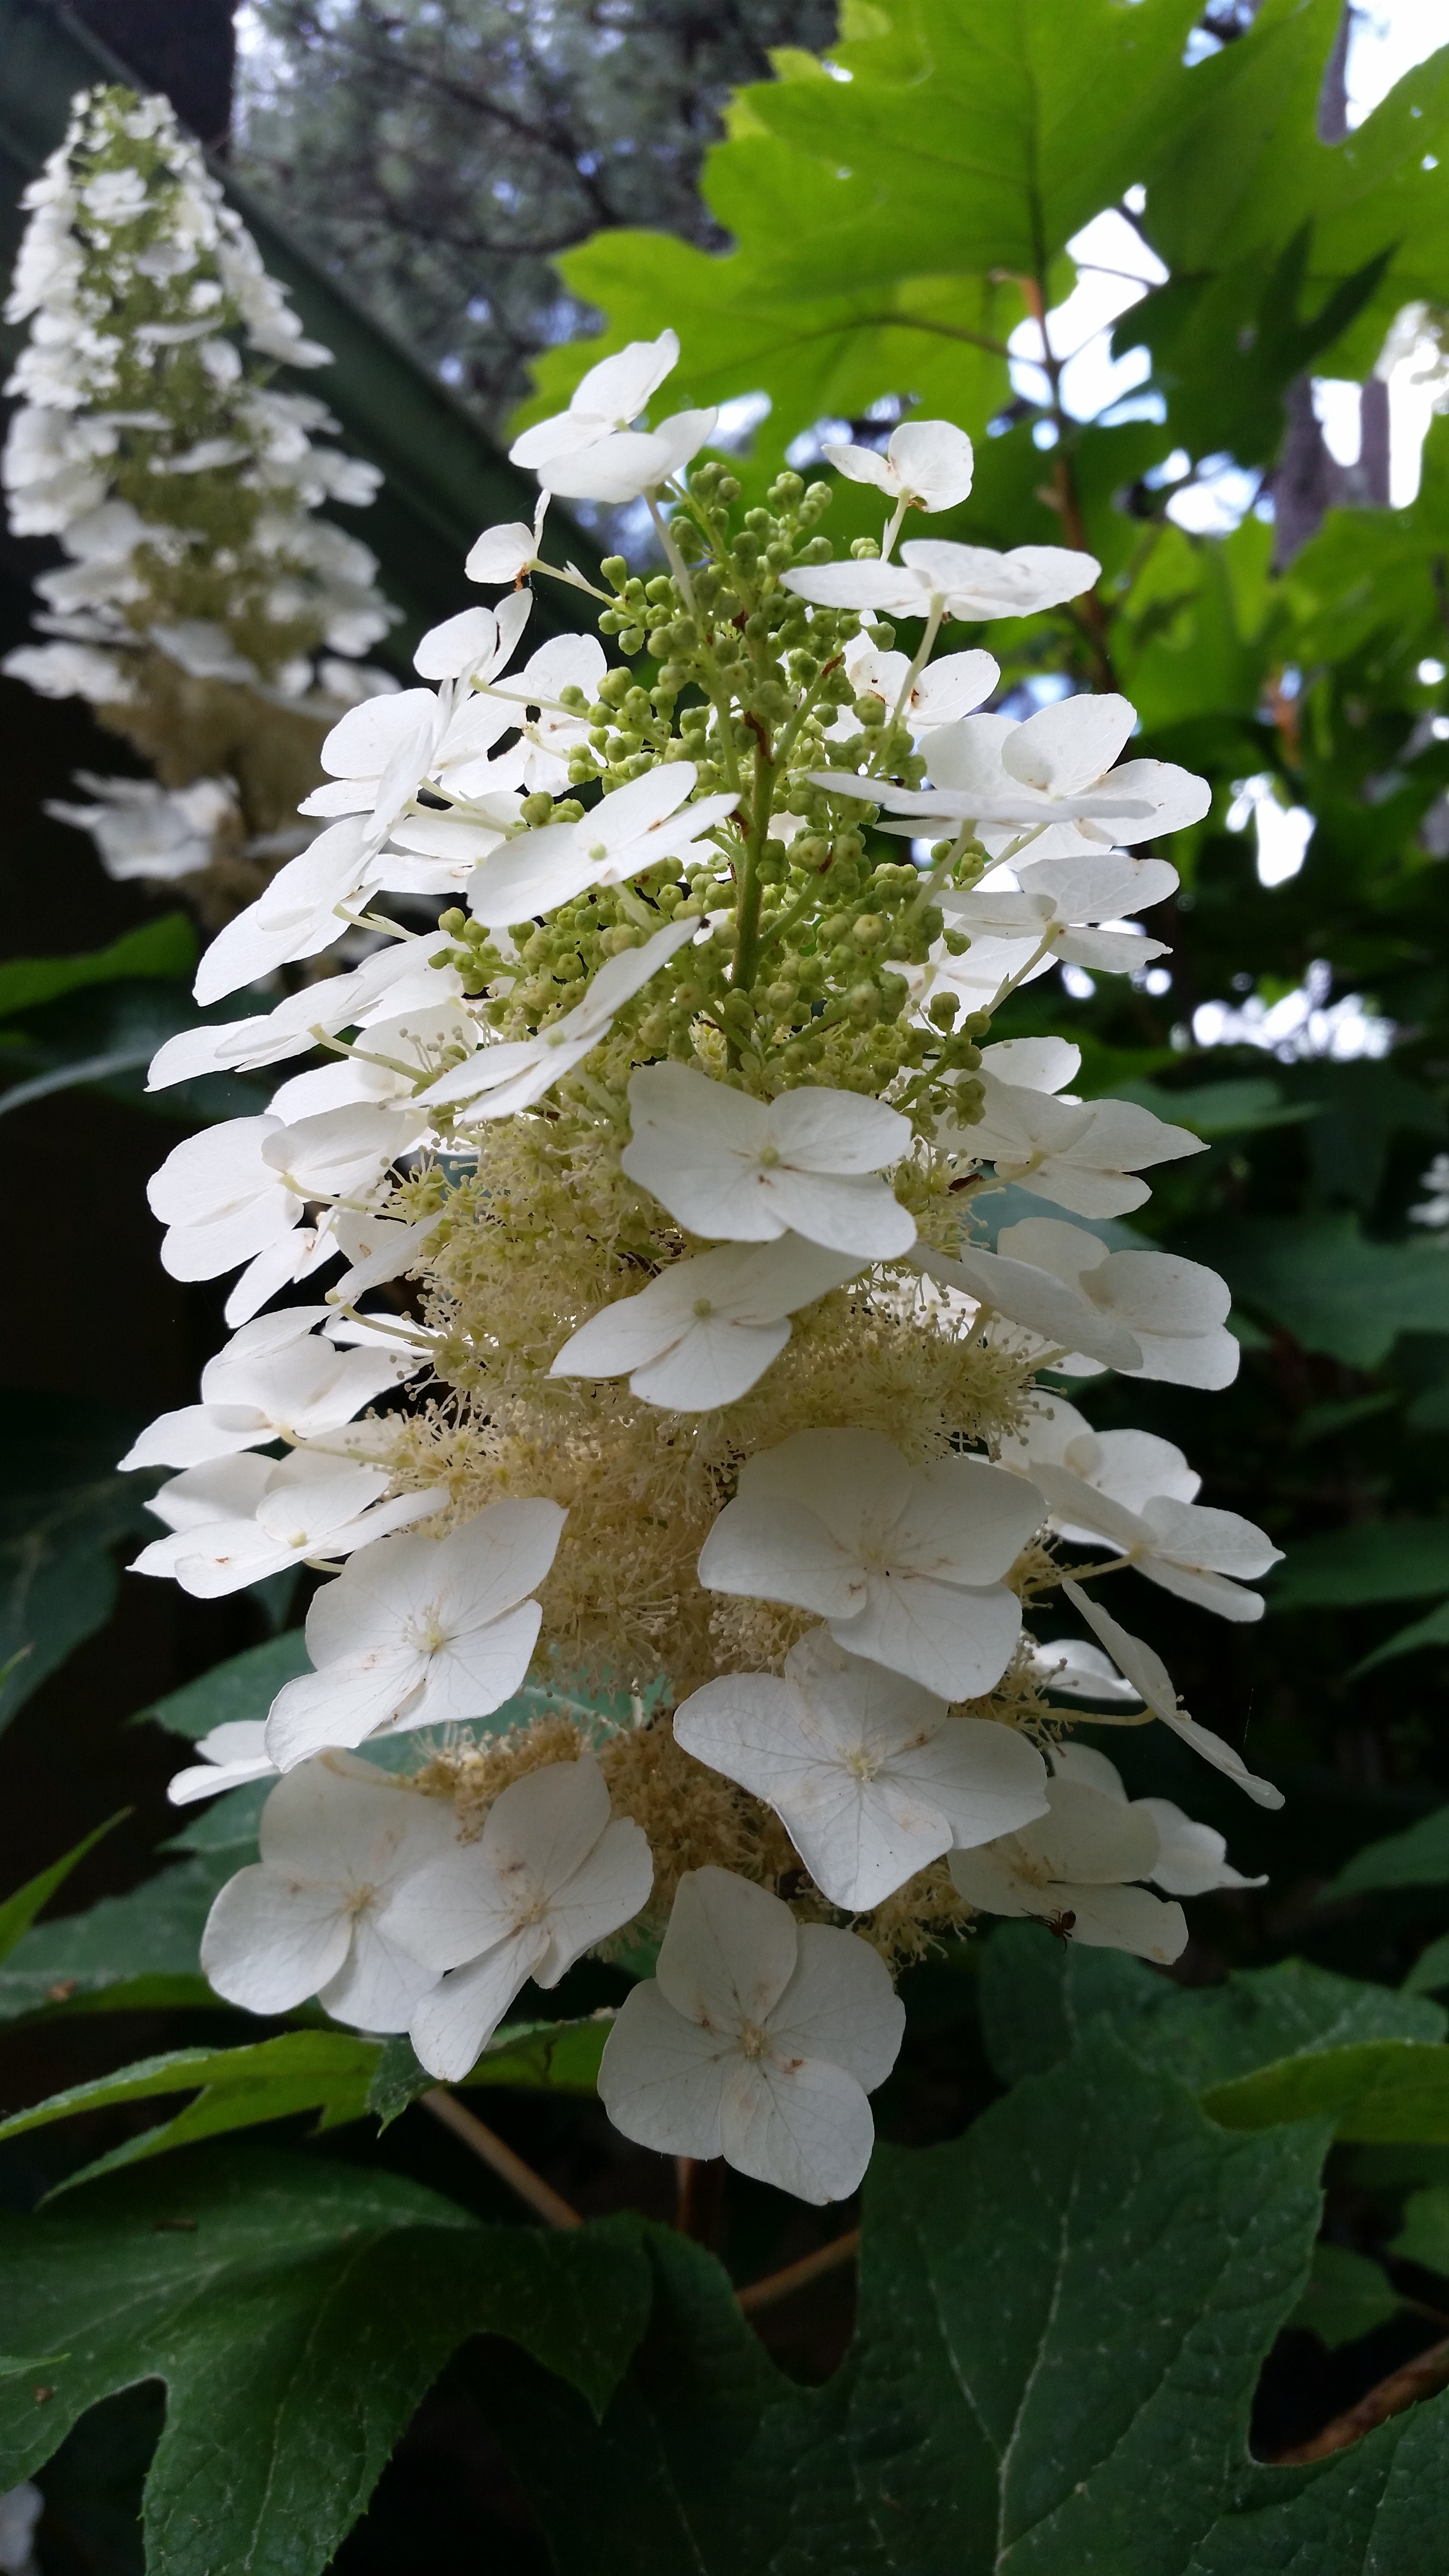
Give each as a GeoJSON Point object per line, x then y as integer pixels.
{"type": "Point", "coordinates": [133, 1950]}
{"type": "Point", "coordinates": [1378, 2509]}
{"type": "Point", "coordinates": [1432, 1630]}
{"type": "Point", "coordinates": [243, 1688]}
{"type": "Point", "coordinates": [1040, 1997]}
{"type": "Point", "coordinates": [1418, 1858]}
{"type": "Point", "coordinates": [1331, 1288]}
{"type": "Point", "coordinates": [236, 2088]}
{"type": "Point", "coordinates": [1213, 1109]}
{"type": "Point", "coordinates": [524, 2057]}
{"type": "Point", "coordinates": [1429, 1974]}
{"type": "Point", "coordinates": [1346, 2297]}
{"type": "Point", "coordinates": [168, 947]}
{"type": "Point", "coordinates": [1378, 2090]}
{"type": "Point", "coordinates": [1424, 2236]}
{"type": "Point", "coordinates": [1369, 1561]}
{"type": "Point", "coordinates": [1062, 2319]}
{"type": "Point", "coordinates": [63, 1510]}
{"type": "Point", "coordinates": [20, 1910]}
{"type": "Point", "coordinates": [296, 2312]}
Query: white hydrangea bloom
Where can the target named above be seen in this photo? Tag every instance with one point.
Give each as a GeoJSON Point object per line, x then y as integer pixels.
{"type": "Point", "coordinates": [750, 1170]}
{"type": "Point", "coordinates": [1152, 1682]}
{"type": "Point", "coordinates": [935, 578]}
{"type": "Point", "coordinates": [1076, 1868]}
{"type": "Point", "coordinates": [590, 452]}
{"type": "Point", "coordinates": [143, 830]}
{"type": "Point", "coordinates": [1173, 1309]}
{"type": "Point", "coordinates": [1082, 1155]}
{"type": "Point", "coordinates": [1189, 1551]}
{"type": "Point", "coordinates": [634, 827]}
{"type": "Point", "coordinates": [756, 2040]}
{"type": "Point", "coordinates": [429, 1631]}
{"type": "Point", "coordinates": [236, 1520]}
{"type": "Point", "coordinates": [927, 464]}
{"type": "Point", "coordinates": [516, 1072]}
{"type": "Point", "coordinates": [145, 267]}
{"type": "Point", "coordinates": [310, 1917]}
{"type": "Point", "coordinates": [870, 1777]}
{"type": "Point", "coordinates": [903, 1563]}
{"type": "Point", "coordinates": [551, 1874]}
{"type": "Point", "coordinates": [702, 1332]}
{"type": "Point", "coordinates": [275, 1380]}
{"type": "Point", "coordinates": [1191, 1858]}
{"type": "Point", "coordinates": [231, 1755]}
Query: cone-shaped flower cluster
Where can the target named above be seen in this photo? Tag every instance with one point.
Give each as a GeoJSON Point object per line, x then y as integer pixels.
{"type": "Point", "coordinates": [692, 1375]}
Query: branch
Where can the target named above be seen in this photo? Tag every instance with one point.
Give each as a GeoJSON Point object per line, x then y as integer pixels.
{"type": "Point", "coordinates": [490, 2150]}
{"type": "Point", "coordinates": [798, 2276]}
{"type": "Point", "coordinates": [1418, 2378]}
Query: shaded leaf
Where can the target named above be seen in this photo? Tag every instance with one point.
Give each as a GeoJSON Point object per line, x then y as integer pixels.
{"type": "Point", "coordinates": [297, 2312]}
{"type": "Point", "coordinates": [1432, 1630]}
{"type": "Point", "coordinates": [1417, 1858]}
{"type": "Point", "coordinates": [63, 1509]}
{"type": "Point", "coordinates": [20, 1910]}
{"type": "Point", "coordinates": [1062, 2319]}
{"type": "Point", "coordinates": [1330, 1287]}
{"type": "Point", "coordinates": [1424, 2236]}
{"type": "Point", "coordinates": [299, 2070]}
{"type": "Point", "coordinates": [1378, 2090]}
{"type": "Point", "coordinates": [523, 2057]}
{"type": "Point", "coordinates": [1368, 1561]}
{"type": "Point", "coordinates": [245, 1687]}
{"type": "Point", "coordinates": [1429, 1974]}
{"type": "Point", "coordinates": [168, 947]}
{"type": "Point", "coordinates": [139, 1949]}
{"type": "Point", "coordinates": [1347, 2296]}
{"type": "Point", "coordinates": [1040, 1998]}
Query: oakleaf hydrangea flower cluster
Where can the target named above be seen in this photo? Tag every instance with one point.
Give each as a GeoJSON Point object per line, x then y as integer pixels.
{"type": "Point", "coordinates": [652, 1173]}
{"type": "Point", "coordinates": [205, 608]}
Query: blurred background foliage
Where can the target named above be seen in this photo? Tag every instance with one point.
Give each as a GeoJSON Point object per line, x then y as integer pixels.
{"type": "Point", "coordinates": [1182, 273]}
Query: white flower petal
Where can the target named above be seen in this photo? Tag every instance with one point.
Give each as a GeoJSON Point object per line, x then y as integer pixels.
{"type": "Point", "coordinates": [805, 2127]}
{"type": "Point", "coordinates": [662, 2077]}
{"type": "Point", "coordinates": [456, 2020]}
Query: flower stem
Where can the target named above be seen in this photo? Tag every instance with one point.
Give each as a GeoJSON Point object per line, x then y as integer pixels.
{"type": "Point", "coordinates": [490, 2150]}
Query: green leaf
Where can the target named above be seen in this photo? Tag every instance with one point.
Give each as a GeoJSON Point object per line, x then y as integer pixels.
{"type": "Point", "coordinates": [1062, 2318]}
{"type": "Point", "coordinates": [128, 1951]}
{"type": "Point", "coordinates": [1331, 1288]}
{"type": "Point", "coordinates": [1368, 1561]}
{"type": "Point", "coordinates": [1347, 2296]}
{"type": "Point", "coordinates": [1416, 1858]}
{"type": "Point", "coordinates": [881, 221]}
{"type": "Point", "coordinates": [1040, 1998]}
{"type": "Point", "coordinates": [1278, 245]}
{"type": "Point", "coordinates": [299, 2070]}
{"type": "Point", "coordinates": [20, 1910]}
{"type": "Point", "coordinates": [523, 2057]}
{"type": "Point", "coordinates": [1376, 2509]}
{"type": "Point", "coordinates": [1213, 1109]}
{"type": "Point", "coordinates": [1432, 1630]}
{"type": "Point", "coordinates": [1424, 2236]}
{"type": "Point", "coordinates": [63, 1509]}
{"type": "Point", "coordinates": [1378, 2091]}
{"type": "Point", "coordinates": [243, 1688]}
{"type": "Point", "coordinates": [1429, 1974]}
{"type": "Point", "coordinates": [167, 948]}
{"type": "Point", "coordinates": [297, 2312]}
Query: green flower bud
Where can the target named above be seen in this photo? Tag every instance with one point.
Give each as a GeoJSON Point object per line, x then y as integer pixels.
{"type": "Point", "coordinates": [537, 810]}
{"type": "Point", "coordinates": [943, 1009]}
